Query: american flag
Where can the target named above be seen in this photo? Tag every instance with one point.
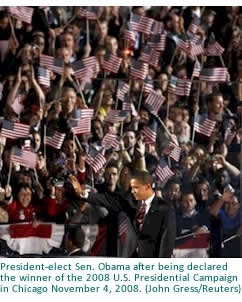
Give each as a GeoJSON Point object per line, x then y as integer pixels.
{"type": "Point", "coordinates": [46, 61]}
{"type": "Point", "coordinates": [17, 105]}
{"type": "Point", "coordinates": [155, 101]}
{"type": "Point", "coordinates": [90, 63]}
{"type": "Point", "coordinates": [139, 70]}
{"type": "Point", "coordinates": [149, 133]}
{"type": "Point", "coordinates": [52, 63]}
{"type": "Point", "coordinates": [196, 69]}
{"type": "Point", "coordinates": [196, 46]}
{"type": "Point", "coordinates": [110, 140]}
{"type": "Point", "coordinates": [123, 227]}
{"type": "Point", "coordinates": [58, 66]}
{"type": "Point", "coordinates": [157, 27]}
{"type": "Point", "coordinates": [176, 152]}
{"type": "Point", "coordinates": [204, 125]}
{"type": "Point", "coordinates": [127, 103]}
{"type": "Point", "coordinates": [22, 13]}
{"type": "Point", "coordinates": [229, 136]}
{"type": "Point", "coordinates": [158, 41]}
{"type": "Point", "coordinates": [86, 113]}
{"type": "Point", "coordinates": [14, 130]}
{"type": "Point", "coordinates": [213, 47]}
{"type": "Point", "coordinates": [123, 88]}
{"type": "Point", "coordinates": [179, 87]}
{"type": "Point", "coordinates": [163, 172]}
{"type": "Point", "coordinates": [24, 158]}
{"type": "Point", "coordinates": [44, 76]}
{"type": "Point", "coordinates": [140, 23]}
{"type": "Point", "coordinates": [150, 56]}
{"type": "Point", "coordinates": [95, 159]}
{"type": "Point", "coordinates": [80, 70]}
{"type": "Point", "coordinates": [80, 126]}
{"type": "Point", "coordinates": [181, 43]}
{"type": "Point", "coordinates": [217, 74]}
{"type": "Point", "coordinates": [148, 85]}
{"type": "Point", "coordinates": [54, 138]}
{"type": "Point", "coordinates": [129, 35]}
{"type": "Point", "coordinates": [194, 24]}
{"type": "Point", "coordinates": [111, 63]}
{"type": "Point", "coordinates": [115, 116]}
{"type": "Point", "coordinates": [88, 12]}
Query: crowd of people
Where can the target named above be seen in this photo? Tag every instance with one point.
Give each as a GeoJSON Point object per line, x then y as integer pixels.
{"type": "Point", "coordinates": [92, 96]}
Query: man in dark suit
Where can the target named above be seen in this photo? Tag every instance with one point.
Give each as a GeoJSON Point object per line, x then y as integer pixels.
{"type": "Point", "coordinates": [153, 219]}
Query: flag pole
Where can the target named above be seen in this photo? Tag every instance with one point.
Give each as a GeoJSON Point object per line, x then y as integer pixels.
{"type": "Point", "coordinates": [116, 102]}
{"type": "Point", "coordinates": [12, 29]}
{"type": "Point", "coordinates": [10, 172]}
{"type": "Point", "coordinates": [140, 96]}
{"type": "Point", "coordinates": [45, 143]}
{"type": "Point", "coordinates": [78, 142]}
{"type": "Point", "coordinates": [195, 114]}
{"type": "Point", "coordinates": [88, 31]}
{"type": "Point", "coordinates": [36, 176]}
{"type": "Point", "coordinates": [99, 103]}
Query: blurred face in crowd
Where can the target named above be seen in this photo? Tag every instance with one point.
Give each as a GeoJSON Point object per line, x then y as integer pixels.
{"type": "Point", "coordinates": [69, 101]}
{"type": "Point", "coordinates": [163, 81]}
{"type": "Point", "coordinates": [125, 176]}
{"type": "Point", "coordinates": [67, 41]}
{"type": "Point", "coordinates": [222, 177]}
{"type": "Point", "coordinates": [107, 99]}
{"type": "Point", "coordinates": [112, 45]}
{"type": "Point", "coordinates": [24, 197]}
{"type": "Point", "coordinates": [111, 176]}
{"type": "Point", "coordinates": [69, 147]}
{"type": "Point", "coordinates": [64, 54]}
{"type": "Point", "coordinates": [170, 125]}
{"type": "Point", "coordinates": [199, 153]}
{"type": "Point", "coordinates": [40, 42]}
{"type": "Point", "coordinates": [98, 129]}
{"type": "Point", "coordinates": [110, 128]}
{"type": "Point", "coordinates": [174, 192]}
{"type": "Point", "coordinates": [102, 29]}
{"type": "Point", "coordinates": [4, 23]}
{"type": "Point", "coordinates": [183, 131]}
{"type": "Point", "coordinates": [139, 11]}
{"type": "Point", "coordinates": [188, 163]}
{"type": "Point", "coordinates": [202, 191]}
{"type": "Point", "coordinates": [176, 23]}
{"type": "Point", "coordinates": [25, 178]}
{"type": "Point", "coordinates": [217, 105]}
{"type": "Point", "coordinates": [232, 206]}
{"type": "Point", "coordinates": [129, 139]}
{"type": "Point", "coordinates": [188, 203]}
{"type": "Point", "coordinates": [37, 141]}
{"type": "Point", "coordinates": [59, 193]}
{"type": "Point", "coordinates": [144, 117]}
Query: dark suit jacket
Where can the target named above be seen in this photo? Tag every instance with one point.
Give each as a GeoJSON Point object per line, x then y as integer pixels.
{"type": "Point", "coordinates": [157, 237]}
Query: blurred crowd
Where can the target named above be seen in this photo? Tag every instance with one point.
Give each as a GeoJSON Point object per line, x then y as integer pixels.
{"type": "Point", "coordinates": [96, 87]}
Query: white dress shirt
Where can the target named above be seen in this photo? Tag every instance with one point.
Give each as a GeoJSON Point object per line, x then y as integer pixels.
{"type": "Point", "coordinates": [148, 203]}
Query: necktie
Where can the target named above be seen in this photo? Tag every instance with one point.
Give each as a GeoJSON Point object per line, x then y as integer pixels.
{"type": "Point", "coordinates": [140, 216]}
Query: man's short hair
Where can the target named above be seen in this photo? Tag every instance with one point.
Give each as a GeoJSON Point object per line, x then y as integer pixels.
{"type": "Point", "coordinates": [76, 236]}
{"type": "Point", "coordinates": [143, 177]}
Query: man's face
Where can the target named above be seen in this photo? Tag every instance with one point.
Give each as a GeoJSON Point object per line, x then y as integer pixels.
{"type": "Point", "coordinates": [217, 105]}
{"type": "Point", "coordinates": [129, 139]}
{"type": "Point", "coordinates": [139, 190]}
{"type": "Point", "coordinates": [69, 101]}
{"type": "Point", "coordinates": [188, 203]}
{"type": "Point", "coordinates": [174, 192]}
{"type": "Point", "coordinates": [111, 176]}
